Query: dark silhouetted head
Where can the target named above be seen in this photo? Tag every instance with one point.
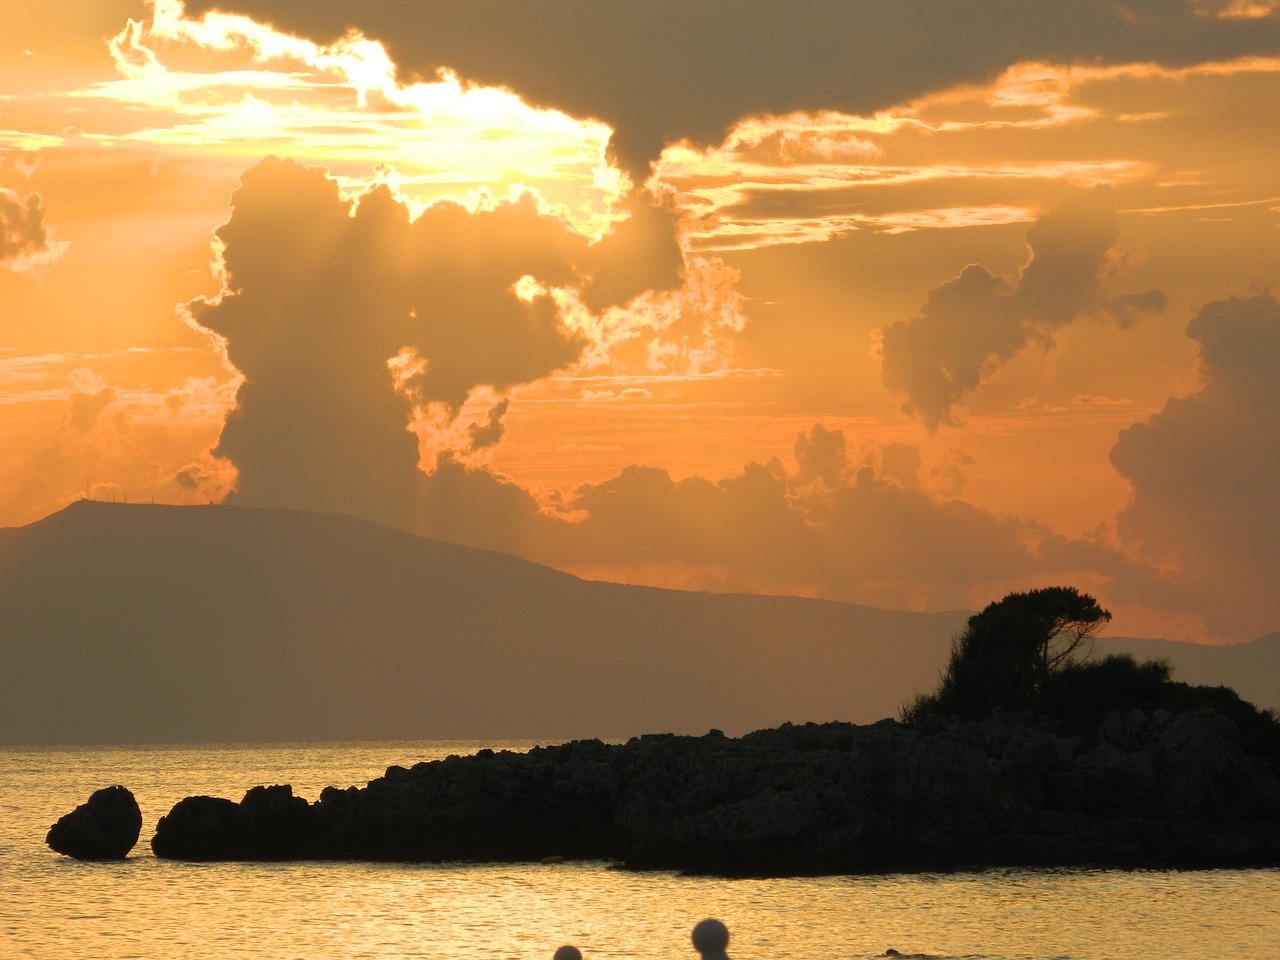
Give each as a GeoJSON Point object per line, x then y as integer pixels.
{"type": "Point", "coordinates": [711, 938]}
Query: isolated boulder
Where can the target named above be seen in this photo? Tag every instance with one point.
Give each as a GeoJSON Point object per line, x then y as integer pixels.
{"type": "Point", "coordinates": [104, 827]}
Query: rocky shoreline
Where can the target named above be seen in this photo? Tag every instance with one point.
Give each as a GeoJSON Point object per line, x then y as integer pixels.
{"type": "Point", "coordinates": [1138, 789]}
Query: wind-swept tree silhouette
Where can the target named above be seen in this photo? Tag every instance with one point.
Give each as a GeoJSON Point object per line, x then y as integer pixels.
{"type": "Point", "coordinates": [1006, 655]}
{"type": "Point", "coordinates": [1028, 653]}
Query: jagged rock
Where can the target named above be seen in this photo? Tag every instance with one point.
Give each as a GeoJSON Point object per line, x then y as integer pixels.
{"type": "Point", "coordinates": [104, 827]}
{"type": "Point", "coordinates": [1141, 790]}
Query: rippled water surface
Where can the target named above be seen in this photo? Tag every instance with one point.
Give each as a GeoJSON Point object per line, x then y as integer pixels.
{"type": "Point", "coordinates": [53, 908]}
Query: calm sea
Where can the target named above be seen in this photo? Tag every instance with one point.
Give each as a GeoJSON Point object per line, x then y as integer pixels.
{"type": "Point", "coordinates": [52, 907]}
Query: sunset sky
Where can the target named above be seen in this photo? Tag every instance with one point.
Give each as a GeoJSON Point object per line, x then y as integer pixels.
{"type": "Point", "coordinates": [908, 303]}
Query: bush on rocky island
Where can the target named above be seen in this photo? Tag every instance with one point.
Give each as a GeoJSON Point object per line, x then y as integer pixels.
{"type": "Point", "coordinates": [1030, 653]}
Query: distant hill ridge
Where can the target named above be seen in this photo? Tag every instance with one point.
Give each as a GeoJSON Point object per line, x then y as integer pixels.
{"type": "Point", "coordinates": [145, 623]}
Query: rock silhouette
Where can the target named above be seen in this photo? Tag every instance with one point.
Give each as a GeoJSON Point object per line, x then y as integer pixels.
{"type": "Point", "coordinates": [104, 827]}
{"type": "Point", "coordinates": [1143, 789]}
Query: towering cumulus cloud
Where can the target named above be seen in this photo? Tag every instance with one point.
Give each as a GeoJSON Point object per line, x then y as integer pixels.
{"type": "Point", "coordinates": [313, 309]}
{"type": "Point", "coordinates": [1206, 468]}
{"type": "Point", "coordinates": [975, 322]}
{"type": "Point", "coordinates": [347, 319]}
{"type": "Point", "coordinates": [659, 71]}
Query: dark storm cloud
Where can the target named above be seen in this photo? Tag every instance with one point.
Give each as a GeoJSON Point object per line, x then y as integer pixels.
{"type": "Point", "coordinates": [321, 296]}
{"type": "Point", "coordinates": [490, 432]}
{"type": "Point", "coordinates": [977, 321]}
{"type": "Point", "coordinates": [659, 71]}
{"type": "Point", "coordinates": [469, 326]}
{"type": "Point", "coordinates": [1206, 468]}
{"type": "Point", "coordinates": [837, 526]}
{"type": "Point", "coordinates": [22, 226]}
{"type": "Point", "coordinates": [639, 254]}
{"type": "Point", "coordinates": [821, 456]}
{"type": "Point", "coordinates": [84, 408]}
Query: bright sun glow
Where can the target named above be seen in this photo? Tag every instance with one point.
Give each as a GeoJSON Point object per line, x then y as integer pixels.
{"type": "Point", "coordinates": [233, 85]}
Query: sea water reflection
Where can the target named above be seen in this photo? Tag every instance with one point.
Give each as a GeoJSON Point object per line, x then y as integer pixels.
{"type": "Point", "coordinates": [53, 908]}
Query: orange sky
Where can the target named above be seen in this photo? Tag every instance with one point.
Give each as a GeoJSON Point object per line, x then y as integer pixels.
{"type": "Point", "coordinates": [865, 302]}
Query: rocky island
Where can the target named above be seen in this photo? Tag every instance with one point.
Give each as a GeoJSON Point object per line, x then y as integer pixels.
{"type": "Point", "coordinates": [1150, 789]}
{"type": "Point", "coordinates": [1026, 755]}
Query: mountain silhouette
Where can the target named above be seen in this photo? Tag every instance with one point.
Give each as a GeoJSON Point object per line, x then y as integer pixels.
{"type": "Point", "coordinates": [127, 623]}
{"type": "Point", "coordinates": [143, 623]}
